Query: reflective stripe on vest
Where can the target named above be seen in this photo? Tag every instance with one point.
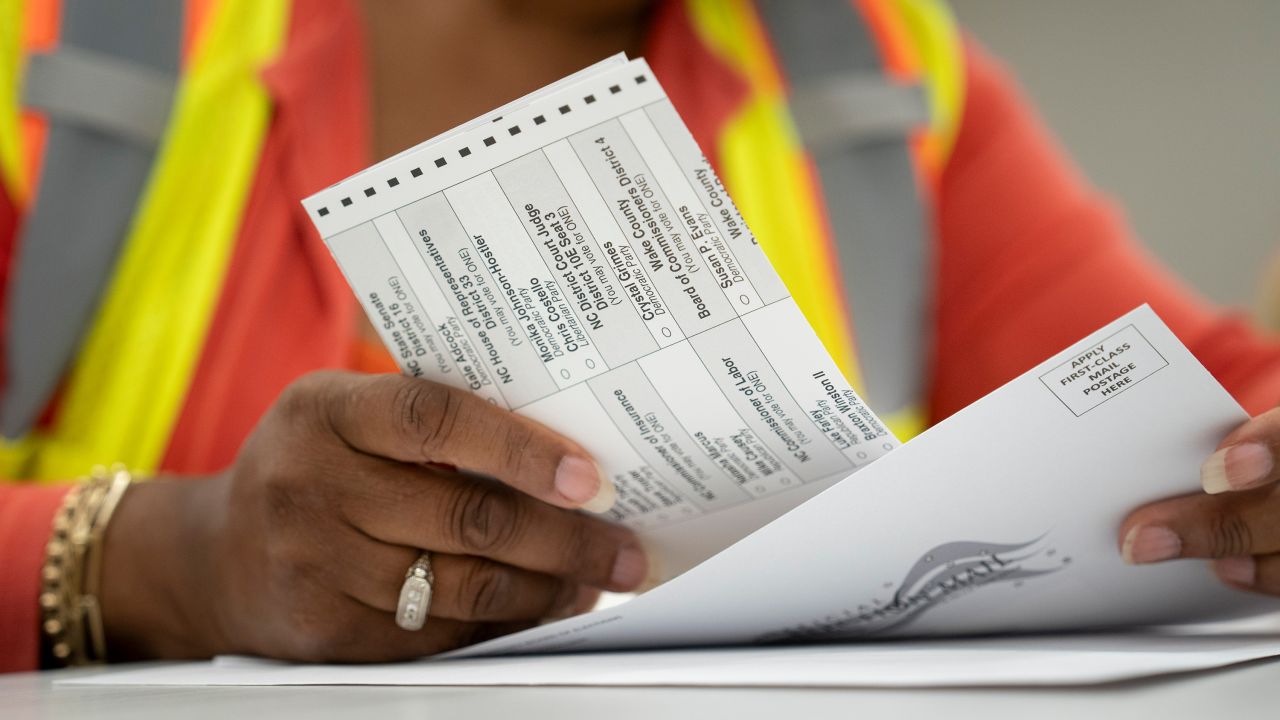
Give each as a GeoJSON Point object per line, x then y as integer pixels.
{"type": "Point", "coordinates": [125, 389]}
{"type": "Point", "coordinates": [875, 211]}
{"type": "Point", "coordinates": [106, 92]}
{"type": "Point", "coordinates": [828, 157]}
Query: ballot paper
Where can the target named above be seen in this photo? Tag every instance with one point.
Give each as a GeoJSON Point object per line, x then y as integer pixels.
{"type": "Point", "coordinates": [988, 662]}
{"type": "Point", "coordinates": [1000, 519]}
{"type": "Point", "coordinates": [573, 257]}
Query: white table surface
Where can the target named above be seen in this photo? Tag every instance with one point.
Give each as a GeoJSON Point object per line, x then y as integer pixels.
{"type": "Point", "coordinates": [1247, 691]}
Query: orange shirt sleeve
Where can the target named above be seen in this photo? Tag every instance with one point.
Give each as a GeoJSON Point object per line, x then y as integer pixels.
{"type": "Point", "coordinates": [26, 517]}
{"type": "Point", "coordinates": [1031, 259]}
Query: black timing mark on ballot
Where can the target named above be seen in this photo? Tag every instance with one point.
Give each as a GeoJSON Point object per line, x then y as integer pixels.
{"type": "Point", "coordinates": [488, 142]}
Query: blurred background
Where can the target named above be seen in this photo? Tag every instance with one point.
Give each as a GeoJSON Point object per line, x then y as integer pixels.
{"type": "Point", "coordinates": [1173, 108]}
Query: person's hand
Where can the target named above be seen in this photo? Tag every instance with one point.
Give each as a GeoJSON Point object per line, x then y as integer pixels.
{"type": "Point", "coordinates": [1236, 521]}
{"type": "Point", "coordinates": [300, 549]}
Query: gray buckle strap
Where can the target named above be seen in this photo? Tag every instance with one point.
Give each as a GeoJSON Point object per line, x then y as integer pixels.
{"type": "Point", "coordinates": [98, 91]}
{"type": "Point", "coordinates": [108, 90]}
{"type": "Point", "coordinates": [852, 108]}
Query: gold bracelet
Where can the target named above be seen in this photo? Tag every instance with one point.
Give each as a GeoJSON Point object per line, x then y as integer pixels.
{"type": "Point", "coordinates": [71, 616]}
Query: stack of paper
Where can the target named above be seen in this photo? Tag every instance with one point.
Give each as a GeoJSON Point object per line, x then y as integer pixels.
{"type": "Point", "coordinates": [1027, 660]}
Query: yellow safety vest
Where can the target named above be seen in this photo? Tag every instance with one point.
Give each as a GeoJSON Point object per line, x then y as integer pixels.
{"type": "Point", "coordinates": [124, 392]}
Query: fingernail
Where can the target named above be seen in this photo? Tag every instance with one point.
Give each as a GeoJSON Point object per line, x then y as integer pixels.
{"type": "Point", "coordinates": [629, 568]}
{"type": "Point", "coordinates": [580, 482]}
{"type": "Point", "coordinates": [1148, 544]}
{"type": "Point", "coordinates": [1238, 467]}
{"type": "Point", "coordinates": [1242, 571]}
{"type": "Point", "coordinates": [604, 500]}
